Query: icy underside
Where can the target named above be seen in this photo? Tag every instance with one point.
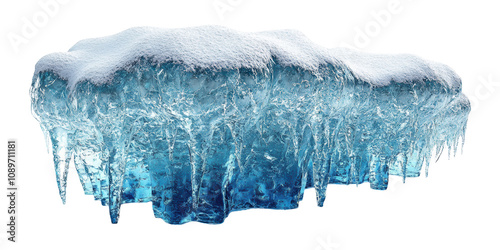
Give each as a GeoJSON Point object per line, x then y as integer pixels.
{"type": "Point", "coordinates": [200, 139]}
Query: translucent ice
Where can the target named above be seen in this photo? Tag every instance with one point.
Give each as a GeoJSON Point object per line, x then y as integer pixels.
{"type": "Point", "coordinates": [204, 121]}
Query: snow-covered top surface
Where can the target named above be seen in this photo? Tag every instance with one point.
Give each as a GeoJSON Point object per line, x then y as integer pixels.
{"type": "Point", "coordinates": [381, 70]}
{"type": "Point", "coordinates": [216, 47]}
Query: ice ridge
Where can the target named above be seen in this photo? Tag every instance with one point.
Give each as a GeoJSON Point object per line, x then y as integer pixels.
{"type": "Point", "coordinates": [204, 121]}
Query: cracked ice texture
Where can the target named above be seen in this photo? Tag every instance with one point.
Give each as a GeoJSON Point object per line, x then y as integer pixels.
{"type": "Point", "coordinates": [204, 121]}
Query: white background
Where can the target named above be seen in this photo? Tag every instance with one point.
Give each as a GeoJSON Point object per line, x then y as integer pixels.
{"type": "Point", "coordinates": [456, 207]}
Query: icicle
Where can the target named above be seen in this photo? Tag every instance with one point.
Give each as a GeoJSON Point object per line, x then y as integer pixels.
{"type": "Point", "coordinates": [439, 151]}
{"type": "Point", "coordinates": [62, 153]}
{"type": "Point", "coordinates": [427, 163]}
{"type": "Point", "coordinates": [116, 169]}
{"type": "Point", "coordinates": [305, 158]}
{"type": "Point", "coordinates": [449, 149]}
{"type": "Point", "coordinates": [83, 175]}
{"type": "Point", "coordinates": [462, 135]}
{"type": "Point", "coordinates": [379, 172]}
{"type": "Point", "coordinates": [321, 164]}
{"type": "Point", "coordinates": [456, 140]}
{"type": "Point", "coordinates": [404, 163]}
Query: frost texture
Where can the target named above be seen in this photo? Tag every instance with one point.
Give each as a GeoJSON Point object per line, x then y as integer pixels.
{"type": "Point", "coordinates": [200, 141]}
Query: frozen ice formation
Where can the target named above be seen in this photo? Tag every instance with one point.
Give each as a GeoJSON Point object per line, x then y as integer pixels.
{"type": "Point", "coordinates": [207, 120]}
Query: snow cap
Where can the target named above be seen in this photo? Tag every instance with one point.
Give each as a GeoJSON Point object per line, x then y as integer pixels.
{"type": "Point", "coordinates": [216, 47]}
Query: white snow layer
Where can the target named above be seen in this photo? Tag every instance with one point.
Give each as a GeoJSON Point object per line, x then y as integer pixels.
{"type": "Point", "coordinates": [217, 47]}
